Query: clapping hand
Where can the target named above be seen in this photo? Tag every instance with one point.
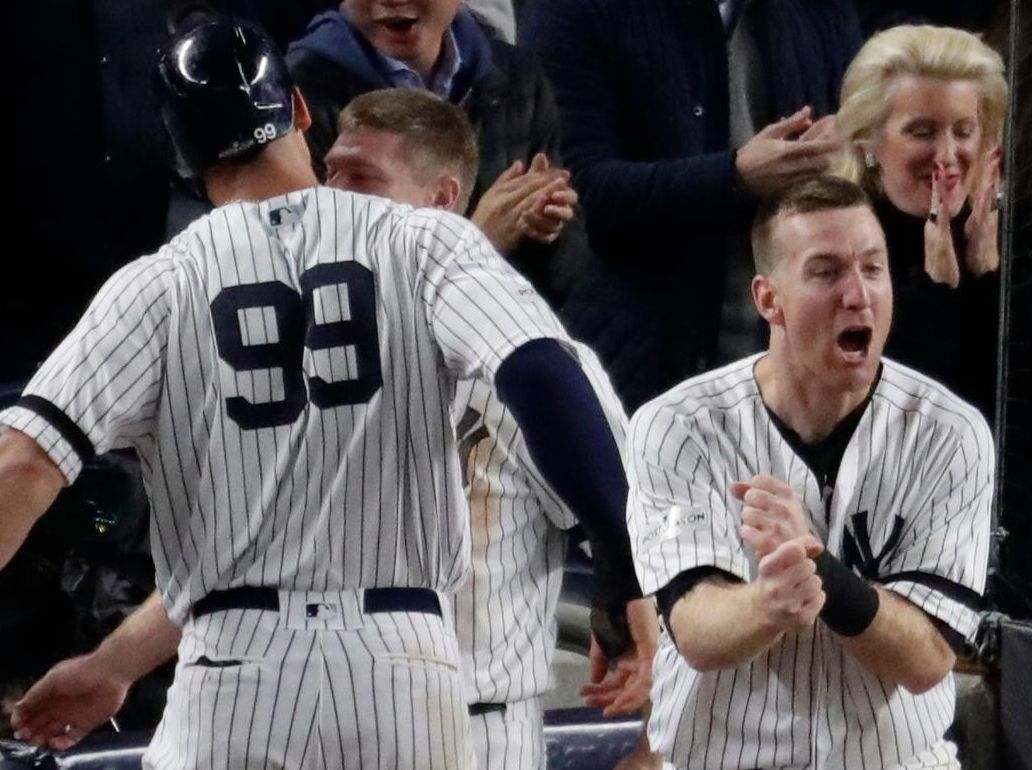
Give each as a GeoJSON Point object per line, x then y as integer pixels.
{"type": "Point", "coordinates": [982, 227]}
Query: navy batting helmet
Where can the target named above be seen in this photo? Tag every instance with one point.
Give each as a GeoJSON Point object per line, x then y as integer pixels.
{"type": "Point", "coordinates": [224, 92]}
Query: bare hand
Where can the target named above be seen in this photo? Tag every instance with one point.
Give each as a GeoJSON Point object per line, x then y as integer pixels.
{"type": "Point", "coordinates": [790, 593]}
{"type": "Point", "coordinates": [552, 206]}
{"type": "Point", "coordinates": [549, 212]}
{"type": "Point", "coordinates": [622, 686]}
{"type": "Point", "coordinates": [983, 224]}
{"type": "Point", "coordinates": [940, 256]}
{"type": "Point", "coordinates": [824, 129]}
{"type": "Point", "coordinates": [778, 155]}
{"type": "Point", "coordinates": [74, 698]}
{"type": "Point", "coordinates": [772, 515]}
{"type": "Point", "coordinates": [517, 205]}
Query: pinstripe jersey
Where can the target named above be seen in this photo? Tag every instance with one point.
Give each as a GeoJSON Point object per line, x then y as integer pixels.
{"type": "Point", "coordinates": [505, 612]}
{"type": "Point", "coordinates": [909, 509]}
{"type": "Point", "coordinates": [285, 370]}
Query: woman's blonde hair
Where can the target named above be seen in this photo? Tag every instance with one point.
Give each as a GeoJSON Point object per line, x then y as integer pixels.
{"type": "Point", "coordinates": [925, 51]}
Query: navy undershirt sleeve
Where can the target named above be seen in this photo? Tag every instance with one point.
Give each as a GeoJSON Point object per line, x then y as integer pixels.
{"type": "Point", "coordinates": [572, 446]}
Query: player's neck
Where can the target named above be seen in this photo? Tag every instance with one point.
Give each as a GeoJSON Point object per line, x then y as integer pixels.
{"type": "Point", "coordinates": [283, 167]}
{"type": "Point", "coordinates": [805, 405]}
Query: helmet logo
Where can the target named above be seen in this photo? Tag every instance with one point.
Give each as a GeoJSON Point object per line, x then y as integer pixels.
{"type": "Point", "coordinates": [266, 133]}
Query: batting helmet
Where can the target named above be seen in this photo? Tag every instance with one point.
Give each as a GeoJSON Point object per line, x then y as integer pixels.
{"type": "Point", "coordinates": [224, 92]}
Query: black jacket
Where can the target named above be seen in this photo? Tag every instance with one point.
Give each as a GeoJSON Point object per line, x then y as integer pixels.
{"type": "Point", "coordinates": [948, 334]}
{"type": "Point", "coordinates": [643, 94]}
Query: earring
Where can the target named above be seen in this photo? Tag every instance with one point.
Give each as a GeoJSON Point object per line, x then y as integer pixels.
{"type": "Point", "coordinates": [869, 160]}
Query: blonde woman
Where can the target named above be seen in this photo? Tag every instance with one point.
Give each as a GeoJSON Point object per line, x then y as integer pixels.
{"type": "Point", "coordinates": [921, 114]}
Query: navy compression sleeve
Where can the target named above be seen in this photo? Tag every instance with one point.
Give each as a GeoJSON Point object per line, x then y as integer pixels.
{"type": "Point", "coordinates": [572, 445]}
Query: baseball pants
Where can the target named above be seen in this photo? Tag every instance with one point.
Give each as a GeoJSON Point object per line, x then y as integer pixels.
{"type": "Point", "coordinates": [319, 683]}
{"type": "Point", "coordinates": [510, 739]}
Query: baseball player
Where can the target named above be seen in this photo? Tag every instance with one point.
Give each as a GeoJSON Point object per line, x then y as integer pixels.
{"type": "Point", "coordinates": [281, 367]}
{"type": "Point", "coordinates": [417, 149]}
{"type": "Point", "coordinates": [414, 148]}
{"type": "Point", "coordinates": [813, 521]}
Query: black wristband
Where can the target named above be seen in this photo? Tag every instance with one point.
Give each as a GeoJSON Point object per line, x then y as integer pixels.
{"type": "Point", "coordinates": [610, 628]}
{"type": "Point", "coordinates": [851, 602]}
{"type": "Point", "coordinates": [613, 565]}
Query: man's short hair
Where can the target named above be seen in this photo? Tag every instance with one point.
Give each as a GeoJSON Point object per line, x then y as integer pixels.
{"type": "Point", "coordinates": [437, 137]}
{"type": "Point", "coordinates": [820, 193]}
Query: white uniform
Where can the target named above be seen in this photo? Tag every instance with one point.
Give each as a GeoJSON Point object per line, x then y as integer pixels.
{"type": "Point", "coordinates": [910, 503]}
{"type": "Point", "coordinates": [505, 613]}
{"type": "Point", "coordinates": [285, 370]}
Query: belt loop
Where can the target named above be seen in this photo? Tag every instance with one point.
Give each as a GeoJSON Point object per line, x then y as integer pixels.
{"type": "Point", "coordinates": [479, 709]}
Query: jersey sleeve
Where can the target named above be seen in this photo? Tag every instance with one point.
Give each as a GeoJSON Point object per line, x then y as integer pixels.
{"type": "Point", "coordinates": [678, 516]}
{"type": "Point", "coordinates": [478, 307]}
{"type": "Point", "coordinates": [101, 385]}
{"type": "Point", "coordinates": [940, 561]}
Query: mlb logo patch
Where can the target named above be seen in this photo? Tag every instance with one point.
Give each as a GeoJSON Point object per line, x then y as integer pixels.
{"type": "Point", "coordinates": [320, 610]}
{"type": "Point", "coordinates": [282, 216]}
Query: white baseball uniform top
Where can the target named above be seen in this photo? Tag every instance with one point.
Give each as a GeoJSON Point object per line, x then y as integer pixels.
{"type": "Point", "coordinates": [285, 370]}
{"type": "Point", "coordinates": [505, 612]}
{"type": "Point", "coordinates": [911, 503]}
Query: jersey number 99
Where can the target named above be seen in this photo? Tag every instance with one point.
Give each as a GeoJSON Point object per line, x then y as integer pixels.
{"type": "Point", "coordinates": [296, 329]}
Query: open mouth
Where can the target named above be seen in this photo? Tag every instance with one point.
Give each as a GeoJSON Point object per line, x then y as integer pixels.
{"type": "Point", "coordinates": [855, 341]}
{"type": "Point", "coordinates": [398, 23]}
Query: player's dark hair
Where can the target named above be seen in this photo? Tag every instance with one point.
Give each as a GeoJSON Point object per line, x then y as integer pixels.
{"type": "Point", "coordinates": [437, 135]}
{"type": "Point", "coordinates": [819, 193]}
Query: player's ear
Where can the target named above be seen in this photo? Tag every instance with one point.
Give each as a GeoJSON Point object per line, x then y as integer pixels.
{"type": "Point", "coordinates": [302, 117]}
{"type": "Point", "coordinates": [446, 193]}
{"type": "Point", "coordinates": [765, 297]}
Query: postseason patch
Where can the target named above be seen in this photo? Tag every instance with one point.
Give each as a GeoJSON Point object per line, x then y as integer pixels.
{"type": "Point", "coordinates": [677, 520]}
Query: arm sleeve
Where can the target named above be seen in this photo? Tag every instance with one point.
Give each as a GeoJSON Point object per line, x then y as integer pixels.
{"type": "Point", "coordinates": [557, 511]}
{"type": "Point", "coordinates": [100, 387]}
{"type": "Point", "coordinates": [679, 517]}
{"type": "Point", "coordinates": [479, 308]}
{"type": "Point", "coordinates": [572, 445]}
{"type": "Point", "coordinates": [940, 561]}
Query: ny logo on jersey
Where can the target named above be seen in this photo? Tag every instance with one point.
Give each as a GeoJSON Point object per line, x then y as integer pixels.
{"type": "Point", "coordinates": [856, 550]}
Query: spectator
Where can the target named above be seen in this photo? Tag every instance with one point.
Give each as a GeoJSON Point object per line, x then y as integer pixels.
{"type": "Point", "coordinates": [922, 113]}
{"type": "Point", "coordinates": [520, 200]}
{"type": "Point", "coordinates": [660, 106]}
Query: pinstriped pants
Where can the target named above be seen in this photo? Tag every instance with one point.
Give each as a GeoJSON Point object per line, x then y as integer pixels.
{"type": "Point", "coordinates": [260, 689]}
{"type": "Point", "coordinates": [510, 740]}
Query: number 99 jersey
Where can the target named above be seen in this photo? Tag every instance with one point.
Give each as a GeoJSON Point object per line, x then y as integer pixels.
{"type": "Point", "coordinates": [284, 369]}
